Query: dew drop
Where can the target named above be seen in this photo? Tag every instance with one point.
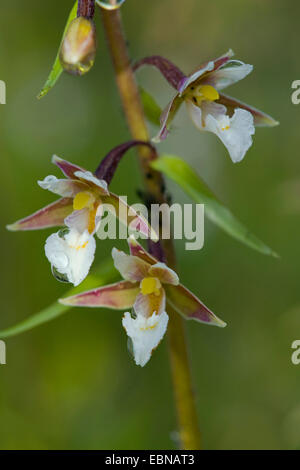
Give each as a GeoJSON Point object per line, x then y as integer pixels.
{"type": "Point", "coordinates": [59, 276]}
{"type": "Point", "coordinates": [63, 232]}
{"type": "Point", "coordinates": [110, 4]}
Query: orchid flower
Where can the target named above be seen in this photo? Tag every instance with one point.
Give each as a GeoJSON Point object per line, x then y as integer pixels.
{"type": "Point", "coordinates": [147, 286]}
{"type": "Point", "coordinates": [231, 120]}
{"type": "Point", "coordinates": [71, 250]}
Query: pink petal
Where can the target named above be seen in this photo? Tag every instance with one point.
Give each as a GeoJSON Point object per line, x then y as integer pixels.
{"type": "Point", "coordinates": [137, 250]}
{"type": "Point", "coordinates": [164, 274]}
{"type": "Point", "coordinates": [130, 267]}
{"type": "Point", "coordinates": [188, 305]}
{"type": "Point", "coordinates": [50, 216]}
{"type": "Point", "coordinates": [118, 296]}
{"type": "Point", "coordinates": [129, 216]}
{"type": "Point", "coordinates": [146, 305]}
{"type": "Point", "coordinates": [66, 167]}
{"type": "Point", "coordinates": [260, 119]}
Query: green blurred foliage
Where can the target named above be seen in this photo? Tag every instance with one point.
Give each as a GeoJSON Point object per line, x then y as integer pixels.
{"type": "Point", "coordinates": [70, 384]}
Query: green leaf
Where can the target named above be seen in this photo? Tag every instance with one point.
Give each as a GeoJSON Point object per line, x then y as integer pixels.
{"type": "Point", "coordinates": [151, 108]}
{"type": "Point", "coordinates": [57, 68]}
{"type": "Point", "coordinates": [180, 172]}
{"type": "Point", "coordinates": [106, 274]}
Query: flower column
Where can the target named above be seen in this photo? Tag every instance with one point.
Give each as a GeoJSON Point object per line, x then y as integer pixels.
{"type": "Point", "coordinates": [154, 184]}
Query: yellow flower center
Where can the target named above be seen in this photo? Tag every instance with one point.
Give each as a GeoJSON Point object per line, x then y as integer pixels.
{"type": "Point", "coordinates": [79, 247]}
{"type": "Point", "coordinates": [150, 285]}
{"type": "Point", "coordinates": [204, 92]}
{"type": "Point", "coordinates": [151, 327]}
{"type": "Point", "coordinates": [82, 200]}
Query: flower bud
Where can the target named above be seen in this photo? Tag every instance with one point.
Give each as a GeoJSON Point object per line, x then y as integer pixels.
{"type": "Point", "coordinates": [78, 50]}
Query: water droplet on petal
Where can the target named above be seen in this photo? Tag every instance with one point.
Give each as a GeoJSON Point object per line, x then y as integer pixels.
{"type": "Point", "coordinates": [110, 4]}
{"type": "Point", "coordinates": [58, 276]}
{"type": "Point", "coordinates": [63, 232]}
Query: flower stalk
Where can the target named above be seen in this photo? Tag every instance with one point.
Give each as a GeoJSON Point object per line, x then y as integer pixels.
{"type": "Point", "coordinates": [86, 8]}
{"type": "Point", "coordinates": [155, 188]}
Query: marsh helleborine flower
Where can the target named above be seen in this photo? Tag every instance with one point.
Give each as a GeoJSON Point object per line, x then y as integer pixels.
{"type": "Point", "coordinates": [78, 49]}
{"type": "Point", "coordinates": [231, 120]}
{"type": "Point", "coordinates": [71, 250]}
{"type": "Point", "coordinates": [147, 286]}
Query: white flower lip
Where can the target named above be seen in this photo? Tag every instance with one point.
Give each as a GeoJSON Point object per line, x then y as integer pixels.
{"type": "Point", "coordinates": [145, 333]}
{"type": "Point", "coordinates": [235, 132]}
{"type": "Point", "coordinates": [72, 255]}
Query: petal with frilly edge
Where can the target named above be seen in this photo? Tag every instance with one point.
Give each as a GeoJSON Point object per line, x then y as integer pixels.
{"type": "Point", "coordinates": [190, 307]}
{"type": "Point", "coordinates": [260, 119]}
{"type": "Point", "coordinates": [64, 188]}
{"type": "Point", "coordinates": [145, 334]}
{"type": "Point", "coordinates": [165, 274]}
{"type": "Point", "coordinates": [66, 167]}
{"type": "Point", "coordinates": [52, 215]}
{"type": "Point", "coordinates": [235, 132]}
{"type": "Point", "coordinates": [226, 76]}
{"type": "Point", "coordinates": [128, 216]}
{"type": "Point", "coordinates": [119, 296]}
{"type": "Point", "coordinates": [71, 254]}
{"type": "Point", "coordinates": [148, 304]}
{"type": "Point", "coordinates": [130, 267]}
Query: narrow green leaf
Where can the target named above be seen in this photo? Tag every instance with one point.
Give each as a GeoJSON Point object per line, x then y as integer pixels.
{"type": "Point", "coordinates": [151, 108]}
{"type": "Point", "coordinates": [180, 172]}
{"type": "Point", "coordinates": [57, 68]}
{"type": "Point", "coordinates": [106, 274]}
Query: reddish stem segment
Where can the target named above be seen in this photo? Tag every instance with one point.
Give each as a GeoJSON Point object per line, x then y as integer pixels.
{"type": "Point", "coordinates": [86, 8]}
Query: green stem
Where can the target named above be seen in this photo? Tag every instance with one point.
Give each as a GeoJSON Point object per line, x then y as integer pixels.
{"type": "Point", "coordinates": [154, 184]}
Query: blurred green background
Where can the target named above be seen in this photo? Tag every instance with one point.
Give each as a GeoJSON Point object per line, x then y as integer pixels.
{"type": "Point", "coordinates": [70, 384]}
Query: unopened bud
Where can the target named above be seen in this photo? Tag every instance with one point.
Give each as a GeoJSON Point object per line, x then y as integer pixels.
{"type": "Point", "coordinates": [78, 50]}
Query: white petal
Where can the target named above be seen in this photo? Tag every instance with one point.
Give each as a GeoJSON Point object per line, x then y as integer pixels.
{"type": "Point", "coordinates": [145, 333]}
{"type": "Point", "coordinates": [130, 267]}
{"type": "Point", "coordinates": [79, 220]}
{"type": "Point", "coordinates": [227, 76]}
{"type": "Point", "coordinates": [63, 187]}
{"type": "Point", "coordinates": [89, 177]}
{"type": "Point", "coordinates": [72, 254]}
{"type": "Point", "coordinates": [195, 76]}
{"type": "Point", "coordinates": [234, 132]}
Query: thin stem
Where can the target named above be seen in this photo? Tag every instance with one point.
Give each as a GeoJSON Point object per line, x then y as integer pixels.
{"type": "Point", "coordinates": [86, 8]}
{"type": "Point", "coordinates": [155, 188]}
